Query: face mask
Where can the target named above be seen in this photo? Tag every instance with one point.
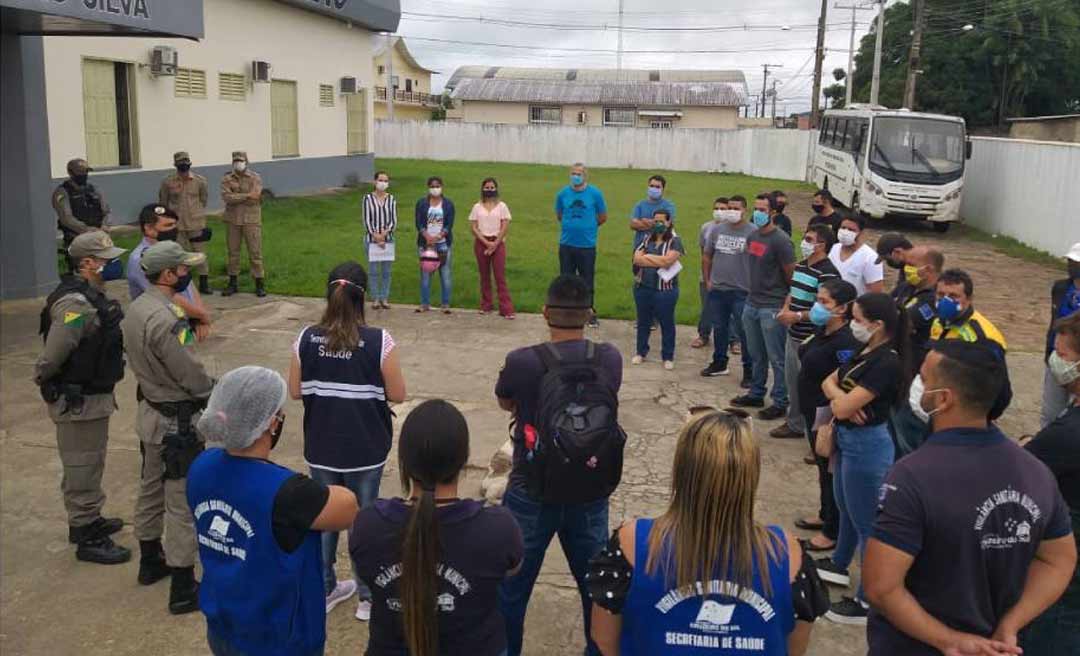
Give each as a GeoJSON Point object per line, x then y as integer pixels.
{"type": "Point", "coordinates": [577, 180]}
{"type": "Point", "coordinates": [861, 332]}
{"type": "Point", "coordinates": [112, 270]}
{"type": "Point", "coordinates": [780, 207]}
{"type": "Point", "coordinates": [846, 237]}
{"type": "Point", "coordinates": [239, 167]}
{"type": "Point", "coordinates": [659, 228]}
{"type": "Point", "coordinates": [915, 399]}
{"type": "Point", "coordinates": [168, 235]}
{"type": "Point", "coordinates": [820, 315]}
{"type": "Point", "coordinates": [761, 219]}
{"type": "Point", "coordinates": [1074, 271]}
{"type": "Point", "coordinates": [655, 193]}
{"type": "Point", "coordinates": [183, 168]}
{"type": "Point", "coordinates": [911, 274]}
{"type": "Point", "coordinates": [489, 193]}
{"type": "Point", "coordinates": [818, 208]}
{"type": "Point", "coordinates": [1064, 372]}
{"type": "Point", "coordinates": [947, 309]}
{"type": "Point", "coordinates": [807, 248]}
{"type": "Point", "coordinates": [182, 283]}
{"type": "Point", "coordinates": [275, 435]}
{"type": "Point", "coordinates": [382, 185]}
{"type": "Point", "coordinates": [893, 264]}
{"type": "Point", "coordinates": [80, 179]}
{"type": "Point", "coordinates": [435, 192]}
{"type": "Point", "coordinates": [718, 215]}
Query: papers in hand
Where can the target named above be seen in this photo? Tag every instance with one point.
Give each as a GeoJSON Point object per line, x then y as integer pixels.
{"type": "Point", "coordinates": [667, 273]}
{"type": "Point", "coordinates": [381, 252]}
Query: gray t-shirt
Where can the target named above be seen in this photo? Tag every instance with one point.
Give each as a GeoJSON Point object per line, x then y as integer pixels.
{"type": "Point", "coordinates": [730, 262]}
{"type": "Point", "coordinates": [768, 256]}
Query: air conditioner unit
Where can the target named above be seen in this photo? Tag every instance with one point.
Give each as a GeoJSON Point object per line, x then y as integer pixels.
{"type": "Point", "coordinates": [164, 60]}
{"type": "Point", "coordinates": [348, 85]}
{"type": "Point", "coordinates": [582, 118]}
{"type": "Point", "coordinates": [260, 71]}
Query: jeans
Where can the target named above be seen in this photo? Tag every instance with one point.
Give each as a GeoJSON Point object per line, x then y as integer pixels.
{"type": "Point", "coordinates": [365, 485]}
{"type": "Point", "coordinates": [704, 324]}
{"type": "Point", "coordinates": [1054, 399]}
{"type": "Point", "coordinates": [908, 431]}
{"type": "Point", "coordinates": [766, 337]}
{"type": "Point", "coordinates": [791, 382]}
{"type": "Point", "coordinates": [379, 280]}
{"type": "Point", "coordinates": [219, 647]}
{"type": "Point", "coordinates": [493, 265]}
{"type": "Point", "coordinates": [659, 305]}
{"type": "Point", "coordinates": [827, 511]}
{"type": "Point", "coordinates": [724, 305]}
{"type": "Point", "coordinates": [579, 262]}
{"type": "Point", "coordinates": [1057, 630]}
{"type": "Point", "coordinates": [583, 532]}
{"type": "Point", "coordinates": [445, 279]}
{"type": "Point", "coordinates": [864, 455]}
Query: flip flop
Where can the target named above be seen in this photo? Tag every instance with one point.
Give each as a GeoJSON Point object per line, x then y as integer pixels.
{"type": "Point", "coordinates": [810, 546]}
{"type": "Point", "coordinates": [809, 524]}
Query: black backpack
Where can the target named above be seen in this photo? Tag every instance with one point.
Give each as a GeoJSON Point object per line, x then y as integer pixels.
{"type": "Point", "coordinates": [577, 455]}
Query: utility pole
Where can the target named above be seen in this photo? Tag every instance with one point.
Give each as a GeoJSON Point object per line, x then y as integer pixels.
{"type": "Point", "coordinates": [875, 82]}
{"type": "Point", "coordinates": [763, 85]}
{"type": "Point", "coordinates": [819, 58]}
{"type": "Point", "coordinates": [848, 82]}
{"type": "Point", "coordinates": [389, 76]}
{"type": "Point", "coordinates": [773, 93]}
{"type": "Point", "coordinates": [618, 56]}
{"type": "Point", "coordinates": [919, 8]}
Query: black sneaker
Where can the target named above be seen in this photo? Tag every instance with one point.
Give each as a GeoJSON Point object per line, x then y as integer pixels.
{"type": "Point", "coordinates": [747, 401]}
{"type": "Point", "coordinates": [830, 572]}
{"type": "Point", "coordinates": [593, 323]}
{"type": "Point", "coordinates": [715, 370]}
{"type": "Point", "coordinates": [102, 551]}
{"type": "Point", "coordinates": [99, 528]}
{"type": "Point", "coordinates": [772, 412]}
{"type": "Point", "coordinates": [848, 611]}
{"type": "Point", "coordinates": [747, 378]}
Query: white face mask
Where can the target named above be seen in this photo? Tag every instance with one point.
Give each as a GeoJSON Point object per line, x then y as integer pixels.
{"type": "Point", "coordinates": [846, 237]}
{"type": "Point", "coordinates": [435, 191]}
{"type": "Point", "coordinates": [727, 216]}
{"type": "Point", "coordinates": [239, 167]}
{"type": "Point", "coordinates": [915, 396]}
{"type": "Point", "coordinates": [1065, 373]}
{"type": "Point", "coordinates": [861, 332]}
{"type": "Point", "coordinates": [808, 249]}
{"type": "Point", "coordinates": [382, 185]}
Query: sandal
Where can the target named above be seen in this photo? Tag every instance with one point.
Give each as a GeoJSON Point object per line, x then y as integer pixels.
{"type": "Point", "coordinates": [446, 309]}
{"type": "Point", "coordinates": [422, 308]}
{"type": "Point", "coordinates": [699, 343]}
{"type": "Point", "coordinates": [810, 545]}
{"type": "Point", "coordinates": [809, 524]}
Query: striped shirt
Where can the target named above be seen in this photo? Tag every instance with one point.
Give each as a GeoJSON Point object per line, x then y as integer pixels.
{"type": "Point", "coordinates": [650, 276]}
{"type": "Point", "coordinates": [380, 217]}
{"type": "Point", "coordinates": [804, 287]}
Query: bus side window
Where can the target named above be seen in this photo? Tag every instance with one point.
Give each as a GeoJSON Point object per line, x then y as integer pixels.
{"type": "Point", "coordinates": [823, 135]}
{"type": "Point", "coordinates": [861, 140]}
{"type": "Point", "coordinates": [838, 133]}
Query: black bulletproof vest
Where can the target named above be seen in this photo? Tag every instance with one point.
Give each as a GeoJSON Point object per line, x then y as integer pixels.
{"type": "Point", "coordinates": [97, 363]}
{"type": "Point", "coordinates": [85, 203]}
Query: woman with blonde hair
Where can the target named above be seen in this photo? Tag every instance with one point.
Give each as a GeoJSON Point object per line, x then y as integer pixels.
{"type": "Point", "coordinates": [706, 576]}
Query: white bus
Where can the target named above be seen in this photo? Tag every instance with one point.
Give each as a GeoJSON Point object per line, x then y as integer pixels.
{"type": "Point", "coordinates": [893, 163]}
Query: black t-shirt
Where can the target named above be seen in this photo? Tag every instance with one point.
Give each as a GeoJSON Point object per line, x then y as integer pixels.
{"type": "Point", "coordinates": [833, 221]}
{"type": "Point", "coordinates": [919, 304]}
{"type": "Point", "coordinates": [819, 356]}
{"type": "Point", "coordinates": [298, 502]}
{"type": "Point", "coordinates": [783, 222]}
{"type": "Point", "coordinates": [878, 371]}
{"type": "Point", "coordinates": [477, 547]}
{"type": "Point", "coordinates": [1058, 445]}
{"type": "Point", "coordinates": [520, 378]}
{"type": "Point", "coordinates": [971, 507]}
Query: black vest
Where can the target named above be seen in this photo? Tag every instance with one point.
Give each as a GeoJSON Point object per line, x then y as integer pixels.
{"type": "Point", "coordinates": [85, 204]}
{"type": "Point", "coordinates": [97, 363]}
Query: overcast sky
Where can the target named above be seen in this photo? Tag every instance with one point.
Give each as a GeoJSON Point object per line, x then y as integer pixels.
{"type": "Point", "coordinates": [752, 35]}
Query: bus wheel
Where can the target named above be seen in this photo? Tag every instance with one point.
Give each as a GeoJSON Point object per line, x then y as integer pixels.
{"type": "Point", "coordinates": [941, 227]}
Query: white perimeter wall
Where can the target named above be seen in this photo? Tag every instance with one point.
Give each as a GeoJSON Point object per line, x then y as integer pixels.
{"type": "Point", "coordinates": [767, 153]}
{"type": "Point", "coordinates": [1028, 190]}
{"type": "Point", "coordinates": [300, 45]}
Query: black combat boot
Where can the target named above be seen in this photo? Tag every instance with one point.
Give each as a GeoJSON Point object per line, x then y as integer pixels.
{"type": "Point", "coordinates": [204, 286]}
{"type": "Point", "coordinates": [184, 591]}
{"type": "Point", "coordinates": [230, 289]}
{"type": "Point", "coordinates": [99, 528]}
{"type": "Point", "coordinates": [103, 551]}
{"type": "Point", "coordinates": [260, 290]}
{"type": "Point", "coordinates": [152, 567]}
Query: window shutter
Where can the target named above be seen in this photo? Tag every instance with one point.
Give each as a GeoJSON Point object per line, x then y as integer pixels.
{"type": "Point", "coordinates": [232, 86]}
{"type": "Point", "coordinates": [326, 95]}
{"type": "Point", "coordinates": [190, 83]}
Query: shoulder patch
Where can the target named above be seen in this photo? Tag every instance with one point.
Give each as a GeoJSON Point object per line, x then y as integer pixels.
{"type": "Point", "coordinates": [183, 332]}
{"type": "Point", "coordinates": [844, 356]}
{"type": "Point", "coordinates": [74, 319]}
{"type": "Point", "coordinates": [177, 310]}
{"type": "Point", "coordinates": [60, 197]}
{"type": "Point", "coordinates": [926, 312]}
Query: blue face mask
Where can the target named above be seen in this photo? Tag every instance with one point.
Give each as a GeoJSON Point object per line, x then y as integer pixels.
{"type": "Point", "coordinates": [577, 180]}
{"type": "Point", "coordinates": [820, 315]}
{"type": "Point", "coordinates": [947, 309]}
{"type": "Point", "coordinates": [114, 270]}
{"type": "Point", "coordinates": [655, 193]}
{"type": "Point", "coordinates": [761, 219]}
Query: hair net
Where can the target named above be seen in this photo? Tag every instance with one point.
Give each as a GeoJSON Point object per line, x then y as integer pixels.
{"type": "Point", "coordinates": [241, 406]}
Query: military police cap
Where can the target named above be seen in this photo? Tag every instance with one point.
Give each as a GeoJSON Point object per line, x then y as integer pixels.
{"type": "Point", "coordinates": [239, 156]}
{"type": "Point", "coordinates": [181, 156]}
{"type": "Point", "coordinates": [168, 255]}
{"type": "Point", "coordinates": [95, 243]}
{"type": "Point", "coordinates": [78, 166]}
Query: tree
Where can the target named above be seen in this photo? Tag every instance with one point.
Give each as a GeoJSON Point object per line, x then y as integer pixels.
{"type": "Point", "coordinates": [1030, 49]}
{"type": "Point", "coordinates": [835, 92]}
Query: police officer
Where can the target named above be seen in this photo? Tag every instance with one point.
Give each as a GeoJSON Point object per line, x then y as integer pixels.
{"type": "Point", "coordinates": [82, 361]}
{"type": "Point", "coordinates": [241, 189]}
{"type": "Point", "coordinates": [173, 388]}
{"type": "Point", "coordinates": [79, 205]}
{"type": "Point", "coordinates": [186, 193]}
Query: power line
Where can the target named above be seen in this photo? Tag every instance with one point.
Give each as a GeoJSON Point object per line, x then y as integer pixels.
{"type": "Point", "coordinates": [680, 51]}
{"type": "Point", "coordinates": [604, 27]}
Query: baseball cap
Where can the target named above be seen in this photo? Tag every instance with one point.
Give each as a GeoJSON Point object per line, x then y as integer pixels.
{"type": "Point", "coordinates": [168, 255]}
{"type": "Point", "coordinates": [889, 242]}
{"type": "Point", "coordinates": [181, 156]}
{"type": "Point", "coordinates": [78, 166]}
{"type": "Point", "coordinates": [1074, 252]}
{"type": "Point", "coordinates": [95, 243]}
{"type": "Point", "coordinates": [239, 156]}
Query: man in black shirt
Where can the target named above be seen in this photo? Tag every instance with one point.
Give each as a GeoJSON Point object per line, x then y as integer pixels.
{"type": "Point", "coordinates": [781, 219]}
{"type": "Point", "coordinates": [895, 251]}
{"type": "Point", "coordinates": [972, 539]}
{"type": "Point", "coordinates": [824, 212]}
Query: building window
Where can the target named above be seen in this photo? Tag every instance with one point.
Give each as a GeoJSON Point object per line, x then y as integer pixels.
{"type": "Point", "coordinates": [284, 127]}
{"type": "Point", "coordinates": [408, 85]}
{"type": "Point", "coordinates": [546, 115]}
{"type": "Point", "coordinates": [108, 113]}
{"type": "Point", "coordinates": [382, 70]}
{"type": "Point", "coordinates": [357, 122]}
{"type": "Point", "coordinates": [660, 123]}
{"type": "Point", "coordinates": [189, 83]}
{"type": "Point", "coordinates": [394, 81]}
{"type": "Point", "coordinates": [326, 95]}
{"type": "Point", "coordinates": [232, 86]}
{"type": "Point", "coordinates": [619, 117]}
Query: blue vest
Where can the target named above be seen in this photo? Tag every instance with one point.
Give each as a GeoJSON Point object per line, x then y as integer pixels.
{"type": "Point", "coordinates": [731, 621]}
{"type": "Point", "coordinates": [347, 423]}
{"type": "Point", "coordinates": [258, 598]}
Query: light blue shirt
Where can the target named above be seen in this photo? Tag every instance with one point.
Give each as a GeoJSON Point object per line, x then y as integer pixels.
{"type": "Point", "coordinates": [579, 211]}
{"type": "Point", "coordinates": [645, 210]}
{"type": "Point", "coordinates": [137, 282]}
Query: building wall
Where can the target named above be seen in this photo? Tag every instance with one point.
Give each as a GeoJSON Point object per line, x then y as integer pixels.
{"type": "Point", "coordinates": [402, 70]}
{"type": "Point", "coordinates": [403, 112]}
{"type": "Point", "coordinates": [723, 118]}
{"type": "Point", "coordinates": [495, 112]}
{"type": "Point", "coordinates": [518, 114]}
{"type": "Point", "coordinates": [1062, 129]}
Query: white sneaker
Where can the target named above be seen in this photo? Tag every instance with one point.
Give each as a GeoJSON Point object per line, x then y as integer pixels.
{"type": "Point", "coordinates": [637, 359]}
{"type": "Point", "coordinates": [342, 591]}
{"type": "Point", "coordinates": [363, 610]}
{"type": "Point", "coordinates": [669, 365]}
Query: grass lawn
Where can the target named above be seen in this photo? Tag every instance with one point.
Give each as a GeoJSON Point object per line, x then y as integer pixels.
{"type": "Point", "coordinates": [303, 238]}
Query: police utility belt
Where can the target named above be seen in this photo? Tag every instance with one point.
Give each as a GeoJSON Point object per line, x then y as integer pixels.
{"type": "Point", "coordinates": [179, 449]}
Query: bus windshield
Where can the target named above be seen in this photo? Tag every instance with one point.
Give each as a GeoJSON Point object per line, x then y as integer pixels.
{"type": "Point", "coordinates": [917, 149]}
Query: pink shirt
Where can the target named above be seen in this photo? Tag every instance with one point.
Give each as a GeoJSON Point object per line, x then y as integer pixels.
{"type": "Point", "coordinates": [489, 222]}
